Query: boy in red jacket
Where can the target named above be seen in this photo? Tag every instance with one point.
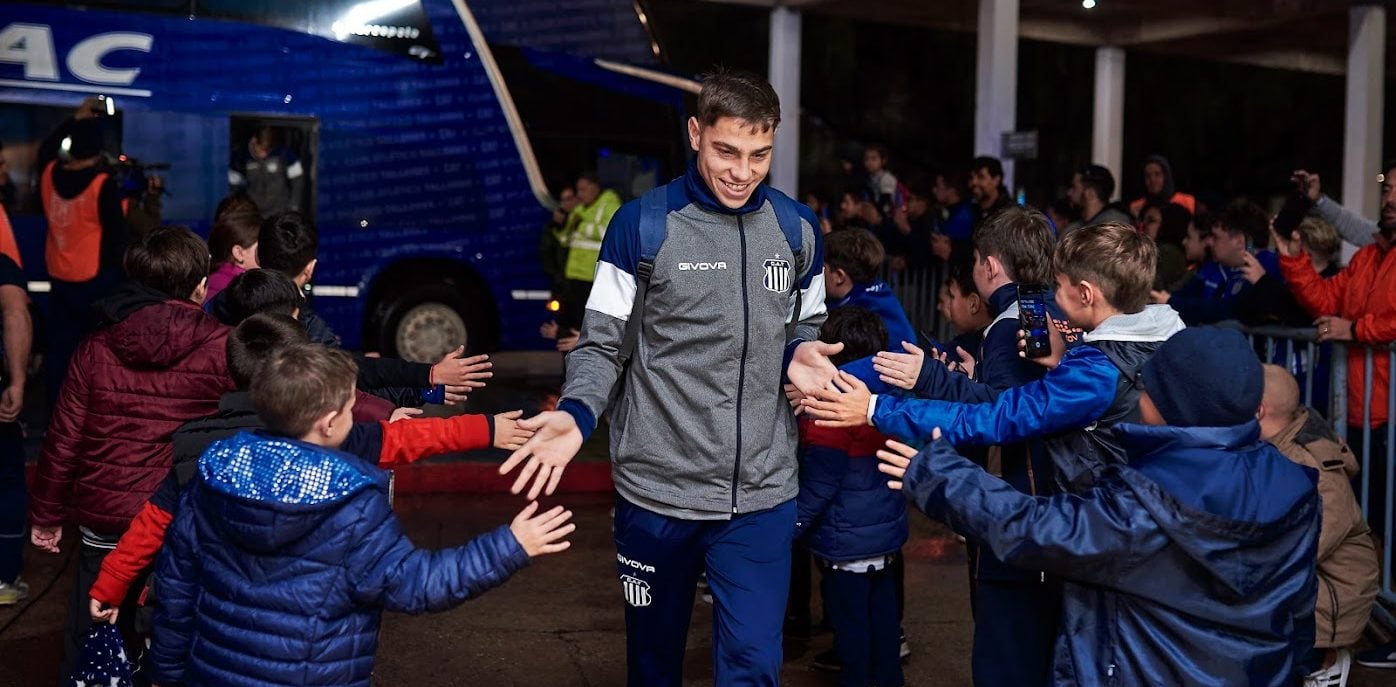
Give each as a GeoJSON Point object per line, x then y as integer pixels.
{"type": "Point", "coordinates": [249, 345]}
{"type": "Point", "coordinates": [154, 363]}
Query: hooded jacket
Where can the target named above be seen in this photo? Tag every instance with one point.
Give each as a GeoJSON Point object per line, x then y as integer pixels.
{"type": "Point", "coordinates": [877, 296]}
{"type": "Point", "coordinates": [700, 428]}
{"type": "Point", "coordinates": [1348, 570]}
{"type": "Point", "coordinates": [1169, 193]}
{"type": "Point", "coordinates": [281, 560]}
{"type": "Point", "coordinates": [154, 364]}
{"type": "Point", "coordinates": [1193, 565]}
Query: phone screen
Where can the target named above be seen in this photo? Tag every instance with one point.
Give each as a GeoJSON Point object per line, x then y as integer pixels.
{"type": "Point", "coordinates": [1032, 317]}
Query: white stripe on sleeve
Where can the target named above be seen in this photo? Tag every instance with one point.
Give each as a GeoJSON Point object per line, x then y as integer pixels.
{"type": "Point", "coordinates": [613, 291]}
{"type": "Point", "coordinates": [811, 300]}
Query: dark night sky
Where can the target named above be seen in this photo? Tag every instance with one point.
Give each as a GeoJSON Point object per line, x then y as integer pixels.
{"type": "Point", "coordinates": [1228, 129]}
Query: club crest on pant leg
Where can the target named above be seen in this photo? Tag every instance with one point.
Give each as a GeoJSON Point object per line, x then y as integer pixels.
{"type": "Point", "coordinates": [637, 591]}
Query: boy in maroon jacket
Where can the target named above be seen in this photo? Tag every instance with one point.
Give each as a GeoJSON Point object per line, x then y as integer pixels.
{"type": "Point", "coordinates": [156, 361]}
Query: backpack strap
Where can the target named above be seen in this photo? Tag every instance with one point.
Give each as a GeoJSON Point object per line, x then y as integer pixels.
{"type": "Point", "coordinates": [788, 217]}
{"type": "Point", "coordinates": [654, 211]}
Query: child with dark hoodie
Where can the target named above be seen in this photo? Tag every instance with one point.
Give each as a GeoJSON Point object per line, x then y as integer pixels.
{"type": "Point", "coordinates": [1191, 565]}
{"type": "Point", "coordinates": [284, 551]}
{"type": "Point", "coordinates": [853, 525]}
{"type": "Point", "coordinates": [154, 363]}
{"type": "Point", "coordinates": [384, 443]}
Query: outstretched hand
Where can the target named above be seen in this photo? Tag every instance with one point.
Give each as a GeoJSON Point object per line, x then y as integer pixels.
{"type": "Point", "coordinates": [454, 370]}
{"type": "Point", "coordinates": [845, 405]}
{"type": "Point", "coordinates": [896, 458]}
{"type": "Point", "coordinates": [810, 367]}
{"type": "Point", "coordinates": [900, 369]}
{"type": "Point", "coordinates": [542, 534]}
{"type": "Point", "coordinates": [508, 435]}
{"type": "Point", "coordinates": [556, 440]}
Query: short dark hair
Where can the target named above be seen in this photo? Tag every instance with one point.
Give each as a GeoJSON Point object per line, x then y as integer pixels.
{"type": "Point", "coordinates": [253, 341]}
{"type": "Point", "coordinates": [991, 164]}
{"type": "Point", "coordinates": [1113, 256]}
{"type": "Point", "coordinates": [860, 330]}
{"type": "Point", "coordinates": [298, 384]}
{"type": "Point", "coordinates": [1241, 216]}
{"type": "Point", "coordinates": [287, 243]}
{"type": "Point", "coordinates": [960, 272]}
{"type": "Point", "coordinates": [1099, 179]}
{"type": "Point", "coordinates": [1021, 238]}
{"type": "Point", "coordinates": [233, 229]}
{"type": "Point", "coordinates": [260, 291]}
{"type": "Point", "coordinates": [589, 175]}
{"type": "Point", "coordinates": [878, 148]}
{"type": "Point", "coordinates": [740, 94]}
{"type": "Point", "coordinates": [855, 251]}
{"type": "Point", "coordinates": [1173, 224]}
{"type": "Point", "coordinates": [171, 260]}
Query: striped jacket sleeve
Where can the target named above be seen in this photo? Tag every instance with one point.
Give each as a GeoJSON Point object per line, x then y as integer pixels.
{"type": "Point", "coordinates": [805, 324]}
{"type": "Point", "coordinates": [593, 367]}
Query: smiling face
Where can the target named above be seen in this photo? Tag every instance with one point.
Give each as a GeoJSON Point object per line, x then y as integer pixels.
{"type": "Point", "coordinates": [734, 157]}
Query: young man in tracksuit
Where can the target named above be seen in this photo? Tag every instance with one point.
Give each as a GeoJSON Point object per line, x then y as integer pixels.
{"type": "Point", "coordinates": [702, 439]}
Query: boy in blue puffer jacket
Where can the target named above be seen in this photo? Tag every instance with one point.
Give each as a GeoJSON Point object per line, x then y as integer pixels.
{"type": "Point", "coordinates": [1192, 563]}
{"type": "Point", "coordinates": [285, 551]}
{"type": "Point", "coordinates": [853, 524]}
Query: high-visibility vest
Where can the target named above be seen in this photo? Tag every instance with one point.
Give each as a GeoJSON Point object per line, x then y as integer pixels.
{"type": "Point", "coordinates": [589, 224]}
{"type": "Point", "coordinates": [8, 247]}
{"type": "Point", "coordinates": [1188, 202]}
{"type": "Point", "coordinates": [73, 250]}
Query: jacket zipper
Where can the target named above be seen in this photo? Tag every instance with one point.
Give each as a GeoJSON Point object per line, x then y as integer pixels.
{"type": "Point", "coordinates": [741, 369]}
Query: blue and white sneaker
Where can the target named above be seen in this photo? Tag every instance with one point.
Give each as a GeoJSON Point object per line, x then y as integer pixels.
{"type": "Point", "coordinates": [1383, 656]}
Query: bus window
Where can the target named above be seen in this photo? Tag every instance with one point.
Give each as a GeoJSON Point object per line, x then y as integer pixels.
{"type": "Point", "coordinates": [581, 118]}
{"type": "Point", "coordinates": [399, 27]}
{"type": "Point", "coordinates": [273, 160]}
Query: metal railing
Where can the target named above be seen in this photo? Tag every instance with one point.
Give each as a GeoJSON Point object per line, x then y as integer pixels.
{"type": "Point", "coordinates": [918, 290]}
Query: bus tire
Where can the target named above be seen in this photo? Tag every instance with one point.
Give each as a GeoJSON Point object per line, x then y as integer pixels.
{"type": "Point", "coordinates": [426, 322]}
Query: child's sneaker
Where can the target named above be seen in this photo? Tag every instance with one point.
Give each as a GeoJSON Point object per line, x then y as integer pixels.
{"type": "Point", "coordinates": [1335, 675]}
{"type": "Point", "coordinates": [13, 593]}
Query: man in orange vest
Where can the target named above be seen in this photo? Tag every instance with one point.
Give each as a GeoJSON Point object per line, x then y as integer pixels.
{"type": "Point", "coordinates": [87, 235]}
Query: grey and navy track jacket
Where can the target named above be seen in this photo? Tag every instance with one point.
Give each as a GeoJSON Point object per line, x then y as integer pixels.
{"type": "Point", "coordinates": [700, 428]}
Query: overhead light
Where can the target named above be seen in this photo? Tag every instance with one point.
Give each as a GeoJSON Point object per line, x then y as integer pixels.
{"type": "Point", "coordinates": [1088, 4]}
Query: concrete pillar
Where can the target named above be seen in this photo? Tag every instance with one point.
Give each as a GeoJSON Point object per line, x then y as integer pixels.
{"type": "Point", "coordinates": [996, 80]}
{"type": "Point", "coordinates": [1108, 130]}
{"type": "Point", "coordinates": [1362, 144]}
{"type": "Point", "coordinates": [784, 73]}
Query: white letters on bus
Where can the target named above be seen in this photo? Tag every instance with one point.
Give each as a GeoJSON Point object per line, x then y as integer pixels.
{"type": "Point", "coordinates": [31, 45]}
{"type": "Point", "coordinates": [85, 59]}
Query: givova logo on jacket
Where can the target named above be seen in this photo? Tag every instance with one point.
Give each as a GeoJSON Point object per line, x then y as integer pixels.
{"type": "Point", "coordinates": [637, 591]}
{"type": "Point", "coordinates": [777, 277]}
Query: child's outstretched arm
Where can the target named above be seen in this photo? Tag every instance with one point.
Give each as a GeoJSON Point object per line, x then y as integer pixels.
{"type": "Point", "coordinates": [390, 444]}
{"type": "Point", "coordinates": [1072, 396]}
{"type": "Point", "coordinates": [385, 568]}
{"type": "Point", "coordinates": [1090, 538]}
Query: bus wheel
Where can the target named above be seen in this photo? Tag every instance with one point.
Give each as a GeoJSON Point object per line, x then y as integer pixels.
{"type": "Point", "coordinates": [427, 324]}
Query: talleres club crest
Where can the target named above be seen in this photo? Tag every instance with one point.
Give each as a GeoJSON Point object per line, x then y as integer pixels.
{"type": "Point", "coordinates": [637, 591]}
{"type": "Point", "coordinates": [777, 277]}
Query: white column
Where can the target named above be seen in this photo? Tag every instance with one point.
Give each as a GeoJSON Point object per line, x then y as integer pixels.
{"type": "Point", "coordinates": [996, 81]}
{"type": "Point", "coordinates": [1108, 130]}
{"type": "Point", "coordinates": [785, 79]}
{"type": "Point", "coordinates": [1362, 144]}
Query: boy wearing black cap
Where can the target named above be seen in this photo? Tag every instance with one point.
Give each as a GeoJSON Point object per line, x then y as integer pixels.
{"type": "Point", "coordinates": [1193, 564]}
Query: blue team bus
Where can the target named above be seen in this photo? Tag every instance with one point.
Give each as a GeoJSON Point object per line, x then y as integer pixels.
{"type": "Point", "coordinates": [428, 152]}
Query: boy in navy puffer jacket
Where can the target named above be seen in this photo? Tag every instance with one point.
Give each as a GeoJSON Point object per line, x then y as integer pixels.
{"type": "Point", "coordinates": [285, 551]}
{"type": "Point", "coordinates": [853, 524]}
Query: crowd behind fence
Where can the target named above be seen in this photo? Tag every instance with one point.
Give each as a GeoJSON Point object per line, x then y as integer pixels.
{"type": "Point", "coordinates": [1322, 371]}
